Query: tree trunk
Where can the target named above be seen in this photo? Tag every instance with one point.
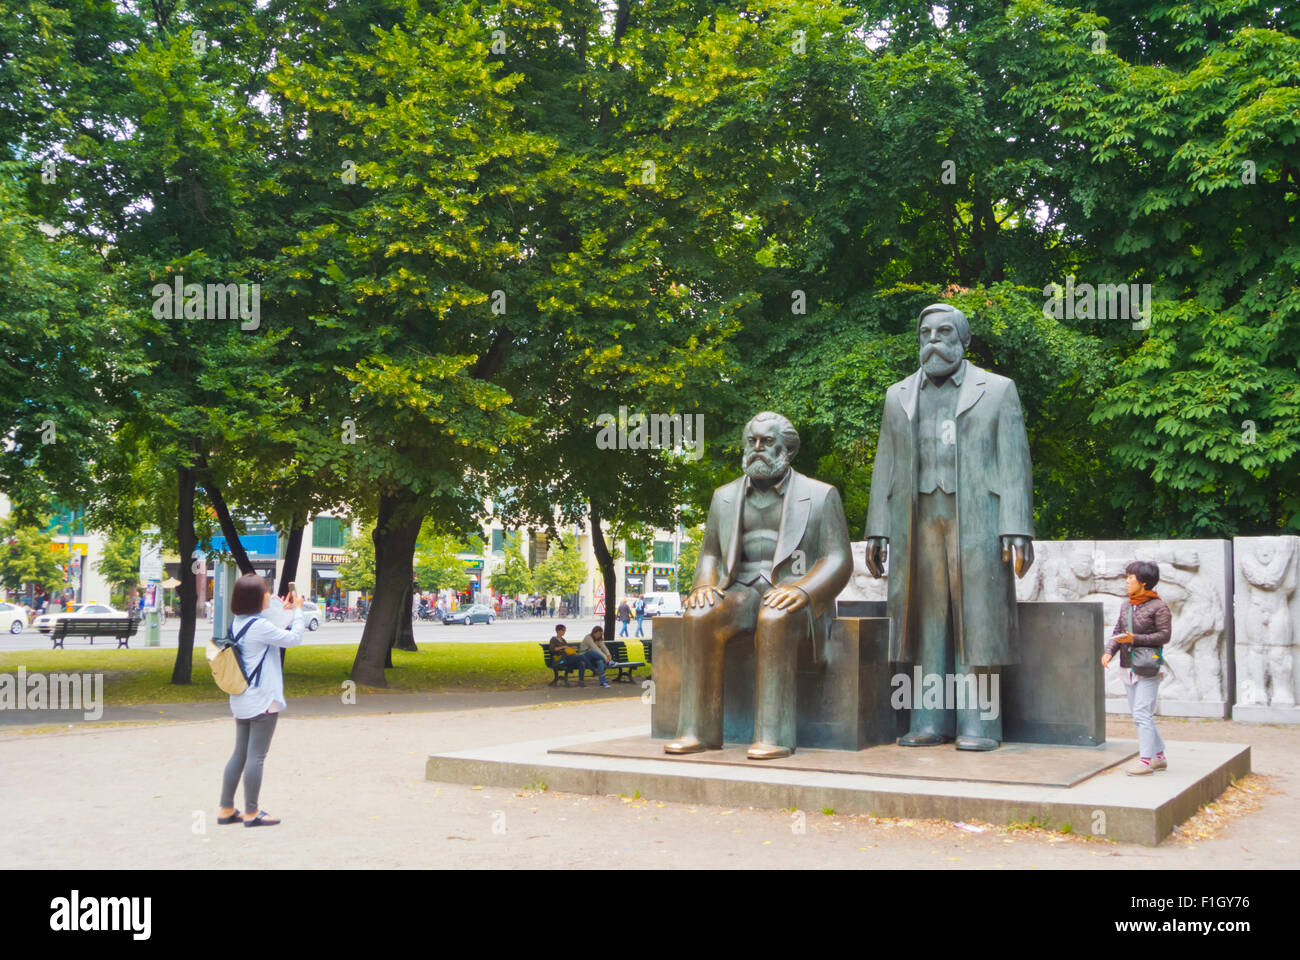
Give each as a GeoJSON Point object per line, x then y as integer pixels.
{"type": "Point", "coordinates": [605, 561]}
{"type": "Point", "coordinates": [188, 543]}
{"type": "Point", "coordinates": [396, 530]}
{"type": "Point", "coordinates": [233, 543]}
{"type": "Point", "coordinates": [404, 638]}
{"type": "Point", "coordinates": [292, 554]}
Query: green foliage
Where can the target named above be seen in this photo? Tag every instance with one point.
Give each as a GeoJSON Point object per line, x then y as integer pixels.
{"type": "Point", "coordinates": [688, 556]}
{"type": "Point", "coordinates": [357, 570]}
{"type": "Point", "coordinates": [512, 576]}
{"type": "Point", "coordinates": [119, 561]}
{"type": "Point", "coordinates": [436, 565]}
{"type": "Point", "coordinates": [563, 572]}
{"type": "Point", "coordinates": [28, 555]}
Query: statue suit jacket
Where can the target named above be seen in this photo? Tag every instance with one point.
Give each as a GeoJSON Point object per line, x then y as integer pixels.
{"type": "Point", "coordinates": [995, 490]}
{"type": "Point", "coordinates": [812, 547]}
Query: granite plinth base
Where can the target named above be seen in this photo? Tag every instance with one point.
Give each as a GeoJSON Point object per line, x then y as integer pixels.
{"type": "Point", "coordinates": [1055, 694]}
{"type": "Point", "coordinates": [841, 703]}
{"type": "Point", "coordinates": [1107, 803]}
{"type": "Point", "coordinates": [1034, 764]}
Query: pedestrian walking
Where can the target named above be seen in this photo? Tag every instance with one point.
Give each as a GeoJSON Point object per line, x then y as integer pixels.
{"type": "Point", "coordinates": [1143, 628]}
{"type": "Point", "coordinates": [257, 708]}
{"type": "Point", "coordinates": [625, 615]}
{"type": "Point", "coordinates": [640, 616]}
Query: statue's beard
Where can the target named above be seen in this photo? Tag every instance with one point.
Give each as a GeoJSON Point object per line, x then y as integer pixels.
{"type": "Point", "coordinates": [760, 466]}
{"type": "Point", "coordinates": [940, 360]}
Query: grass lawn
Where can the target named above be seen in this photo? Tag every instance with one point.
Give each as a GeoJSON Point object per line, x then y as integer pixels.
{"type": "Point", "coordinates": [144, 676]}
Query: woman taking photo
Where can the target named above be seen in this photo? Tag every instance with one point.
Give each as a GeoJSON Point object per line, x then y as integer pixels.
{"type": "Point", "coordinates": [257, 708]}
{"type": "Point", "coordinates": [1143, 626]}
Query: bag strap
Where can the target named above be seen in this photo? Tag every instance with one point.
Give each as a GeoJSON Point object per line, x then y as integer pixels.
{"type": "Point", "coordinates": [1130, 619]}
{"type": "Point", "coordinates": [242, 630]}
{"type": "Point", "coordinates": [256, 675]}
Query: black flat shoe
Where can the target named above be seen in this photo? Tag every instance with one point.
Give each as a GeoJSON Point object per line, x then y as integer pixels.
{"type": "Point", "coordinates": [920, 740]}
{"type": "Point", "coordinates": [261, 820]}
{"type": "Point", "coordinates": [233, 818]}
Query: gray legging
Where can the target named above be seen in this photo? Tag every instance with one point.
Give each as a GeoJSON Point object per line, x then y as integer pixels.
{"type": "Point", "coordinates": [252, 740]}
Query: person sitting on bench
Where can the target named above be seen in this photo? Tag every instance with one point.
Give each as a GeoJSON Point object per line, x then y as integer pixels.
{"type": "Point", "coordinates": [597, 654]}
{"type": "Point", "coordinates": [570, 658]}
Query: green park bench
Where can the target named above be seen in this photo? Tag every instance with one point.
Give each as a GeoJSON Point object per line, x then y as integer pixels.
{"type": "Point", "coordinates": [626, 667]}
{"type": "Point", "coordinates": [123, 628]}
{"type": "Point", "coordinates": [557, 667]}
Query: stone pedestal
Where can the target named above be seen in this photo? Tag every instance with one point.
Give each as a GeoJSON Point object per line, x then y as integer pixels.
{"type": "Point", "coordinates": [1053, 695]}
{"type": "Point", "coordinates": [1196, 580]}
{"type": "Point", "coordinates": [1056, 693]}
{"type": "Point", "coordinates": [842, 704]}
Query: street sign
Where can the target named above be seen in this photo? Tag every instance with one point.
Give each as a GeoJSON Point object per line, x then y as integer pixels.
{"type": "Point", "coordinates": [151, 562]}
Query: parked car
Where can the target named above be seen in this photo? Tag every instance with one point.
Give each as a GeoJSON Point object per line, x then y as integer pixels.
{"type": "Point", "coordinates": [668, 604]}
{"type": "Point", "coordinates": [79, 611]}
{"type": "Point", "coordinates": [14, 616]}
{"type": "Point", "coordinates": [475, 613]}
{"type": "Point", "coordinates": [311, 613]}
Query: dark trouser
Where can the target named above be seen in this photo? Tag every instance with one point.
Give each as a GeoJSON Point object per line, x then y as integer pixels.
{"type": "Point", "coordinates": [705, 633]}
{"type": "Point", "coordinates": [252, 741]}
{"type": "Point", "coordinates": [591, 660]}
{"type": "Point", "coordinates": [938, 609]}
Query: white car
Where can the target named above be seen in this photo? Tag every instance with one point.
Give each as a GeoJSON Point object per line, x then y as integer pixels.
{"type": "Point", "coordinates": [311, 613]}
{"type": "Point", "coordinates": [79, 611]}
{"type": "Point", "coordinates": [14, 616]}
{"type": "Point", "coordinates": [663, 604]}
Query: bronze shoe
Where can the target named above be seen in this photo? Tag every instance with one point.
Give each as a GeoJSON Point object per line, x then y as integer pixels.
{"type": "Point", "coordinates": [920, 740]}
{"type": "Point", "coordinates": [977, 743]}
{"type": "Point", "coordinates": [768, 751]}
{"type": "Point", "coordinates": [685, 745]}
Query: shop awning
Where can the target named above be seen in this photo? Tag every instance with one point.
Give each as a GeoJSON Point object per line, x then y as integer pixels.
{"type": "Point", "coordinates": [326, 574]}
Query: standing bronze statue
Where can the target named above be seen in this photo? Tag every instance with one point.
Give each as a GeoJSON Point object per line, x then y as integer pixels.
{"type": "Point", "coordinates": [775, 556]}
{"type": "Point", "coordinates": [952, 495]}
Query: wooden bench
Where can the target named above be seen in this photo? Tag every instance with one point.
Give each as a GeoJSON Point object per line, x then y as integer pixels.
{"type": "Point", "coordinates": [558, 668]}
{"type": "Point", "coordinates": [626, 667]}
{"type": "Point", "coordinates": [123, 628]}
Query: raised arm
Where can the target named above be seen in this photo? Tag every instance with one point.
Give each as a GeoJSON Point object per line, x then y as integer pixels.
{"type": "Point", "coordinates": [273, 636]}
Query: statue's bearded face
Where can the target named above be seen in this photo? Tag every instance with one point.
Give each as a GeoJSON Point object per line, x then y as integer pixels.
{"type": "Point", "coordinates": [766, 456]}
{"type": "Point", "coordinates": [941, 346]}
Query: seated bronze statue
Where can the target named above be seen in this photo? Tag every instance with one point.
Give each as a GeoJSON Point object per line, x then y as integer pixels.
{"type": "Point", "coordinates": [774, 558]}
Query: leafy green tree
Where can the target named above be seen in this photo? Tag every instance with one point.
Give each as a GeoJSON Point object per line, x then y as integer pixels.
{"type": "Point", "coordinates": [512, 576]}
{"type": "Point", "coordinates": [563, 572]}
{"type": "Point", "coordinates": [28, 556]}
{"type": "Point", "coordinates": [119, 562]}
{"type": "Point", "coordinates": [688, 556]}
{"type": "Point", "coordinates": [437, 567]}
{"type": "Point", "coordinates": [357, 571]}
{"type": "Point", "coordinates": [396, 275]}
{"type": "Point", "coordinates": [1191, 145]}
